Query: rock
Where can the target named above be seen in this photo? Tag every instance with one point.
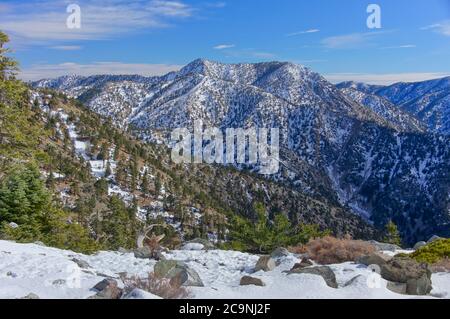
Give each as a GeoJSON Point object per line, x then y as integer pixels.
{"type": "Point", "coordinates": [247, 281]}
{"type": "Point", "coordinates": [39, 243]}
{"type": "Point", "coordinates": [13, 225]}
{"type": "Point", "coordinates": [59, 282]}
{"type": "Point", "coordinates": [305, 262]}
{"type": "Point", "coordinates": [265, 263]}
{"type": "Point", "coordinates": [399, 288]}
{"type": "Point", "coordinates": [31, 296]}
{"type": "Point", "coordinates": [107, 289]}
{"type": "Point", "coordinates": [351, 281]}
{"type": "Point", "coordinates": [375, 258]}
{"type": "Point", "coordinates": [384, 246]}
{"type": "Point", "coordinates": [11, 274]}
{"type": "Point", "coordinates": [143, 253]}
{"type": "Point", "coordinates": [123, 250]}
{"type": "Point", "coordinates": [178, 272]}
{"type": "Point", "coordinates": [193, 246]}
{"type": "Point", "coordinates": [416, 276]}
{"type": "Point", "coordinates": [433, 238]}
{"type": "Point", "coordinates": [81, 263]}
{"type": "Point", "coordinates": [279, 252]}
{"type": "Point", "coordinates": [324, 271]}
{"type": "Point", "coordinates": [207, 245]}
{"type": "Point", "coordinates": [419, 245]}
{"type": "Point", "coordinates": [140, 294]}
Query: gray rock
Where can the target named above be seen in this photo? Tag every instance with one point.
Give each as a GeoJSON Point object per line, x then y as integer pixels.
{"type": "Point", "coordinates": [265, 263]}
{"type": "Point", "coordinates": [247, 281]}
{"type": "Point", "coordinates": [280, 252]}
{"type": "Point", "coordinates": [178, 272]}
{"type": "Point", "coordinates": [206, 243]}
{"type": "Point", "coordinates": [123, 250]}
{"type": "Point", "coordinates": [59, 282]}
{"type": "Point", "coordinates": [351, 281]}
{"type": "Point", "coordinates": [81, 263]}
{"type": "Point", "coordinates": [399, 288]}
{"type": "Point", "coordinates": [419, 245]}
{"type": "Point", "coordinates": [143, 253]}
{"type": "Point", "coordinates": [416, 276]}
{"type": "Point", "coordinates": [375, 258]}
{"type": "Point", "coordinates": [384, 246]}
{"type": "Point", "coordinates": [324, 271]}
{"type": "Point", "coordinates": [433, 238]}
{"type": "Point", "coordinates": [107, 289]}
{"type": "Point", "coordinates": [11, 274]}
{"type": "Point", "coordinates": [13, 225]}
{"type": "Point", "coordinates": [39, 243]}
{"type": "Point", "coordinates": [31, 296]}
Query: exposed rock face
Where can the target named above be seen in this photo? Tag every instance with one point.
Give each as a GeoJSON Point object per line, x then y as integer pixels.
{"type": "Point", "coordinates": [404, 270]}
{"type": "Point", "coordinates": [280, 252]}
{"type": "Point", "coordinates": [324, 271]}
{"type": "Point", "coordinates": [419, 245]}
{"type": "Point", "coordinates": [247, 281]}
{"type": "Point", "coordinates": [265, 263]}
{"type": "Point", "coordinates": [178, 272]}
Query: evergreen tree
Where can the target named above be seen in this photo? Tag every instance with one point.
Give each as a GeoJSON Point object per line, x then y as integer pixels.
{"type": "Point", "coordinates": [392, 234]}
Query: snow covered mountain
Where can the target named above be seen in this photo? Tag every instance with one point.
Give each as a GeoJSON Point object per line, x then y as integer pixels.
{"type": "Point", "coordinates": [429, 101]}
{"type": "Point", "coordinates": [350, 145]}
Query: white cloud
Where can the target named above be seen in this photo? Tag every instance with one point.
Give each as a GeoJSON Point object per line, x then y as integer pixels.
{"type": "Point", "coordinates": [66, 47]}
{"type": "Point", "coordinates": [350, 41]}
{"type": "Point", "coordinates": [45, 21]}
{"type": "Point", "coordinates": [405, 46]}
{"type": "Point", "coordinates": [223, 46]}
{"type": "Point", "coordinates": [441, 27]}
{"type": "Point", "coordinates": [302, 32]}
{"type": "Point", "coordinates": [384, 79]}
{"type": "Point", "coordinates": [41, 71]}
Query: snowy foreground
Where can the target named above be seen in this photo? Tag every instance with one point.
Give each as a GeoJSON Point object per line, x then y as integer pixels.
{"type": "Point", "coordinates": [52, 273]}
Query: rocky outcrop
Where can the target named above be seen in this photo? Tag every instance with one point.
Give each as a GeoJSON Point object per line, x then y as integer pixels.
{"type": "Point", "coordinates": [265, 263]}
{"type": "Point", "coordinates": [324, 271]}
{"type": "Point", "coordinates": [247, 281]}
{"type": "Point", "coordinates": [178, 272]}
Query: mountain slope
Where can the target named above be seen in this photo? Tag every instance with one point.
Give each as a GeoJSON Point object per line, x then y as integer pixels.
{"type": "Point", "coordinates": [375, 160]}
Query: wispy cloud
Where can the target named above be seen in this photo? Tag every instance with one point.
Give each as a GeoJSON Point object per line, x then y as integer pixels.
{"type": "Point", "coordinates": [224, 46]}
{"type": "Point", "coordinates": [302, 32]}
{"type": "Point", "coordinates": [46, 21]}
{"type": "Point", "coordinates": [384, 79]}
{"type": "Point", "coordinates": [350, 41]}
{"type": "Point", "coordinates": [66, 47]}
{"type": "Point", "coordinates": [41, 71]}
{"type": "Point", "coordinates": [404, 46]}
{"type": "Point", "coordinates": [441, 27]}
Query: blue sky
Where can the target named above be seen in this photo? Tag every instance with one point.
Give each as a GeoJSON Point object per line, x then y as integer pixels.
{"type": "Point", "coordinates": [155, 36]}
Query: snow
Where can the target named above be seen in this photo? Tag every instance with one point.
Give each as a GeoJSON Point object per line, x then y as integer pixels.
{"type": "Point", "coordinates": [51, 273]}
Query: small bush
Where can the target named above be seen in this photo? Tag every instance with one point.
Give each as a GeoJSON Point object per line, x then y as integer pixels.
{"type": "Point", "coordinates": [331, 250]}
{"type": "Point", "coordinates": [162, 287]}
{"type": "Point", "coordinates": [433, 252]}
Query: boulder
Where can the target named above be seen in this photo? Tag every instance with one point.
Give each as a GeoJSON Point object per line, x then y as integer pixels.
{"type": "Point", "coordinates": [416, 276]}
{"type": "Point", "coordinates": [81, 263]}
{"type": "Point", "coordinates": [305, 262]}
{"type": "Point", "coordinates": [351, 281]}
{"type": "Point", "coordinates": [433, 238]}
{"type": "Point", "coordinates": [31, 296]}
{"type": "Point", "coordinates": [375, 258]}
{"type": "Point", "coordinates": [265, 263]}
{"type": "Point", "coordinates": [419, 245]}
{"type": "Point", "coordinates": [178, 272]}
{"type": "Point", "coordinates": [280, 252]}
{"type": "Point", "coordinates": [399, 288]}
{"type": "Point", "coordinates": [107, 289]}
{"type": "Point", "coordinates": [59, 282]}
{"type": "Point", "coordinates": [324, 271]}
{"type": "Point", "coordinates": [13, 225]}
{"type": "Point", "coordinates": [247, 281]}
{"type": "Point", "coordinates": [384, 246]}
{"type": "Point", "coordinates": [207, 245]}
{"type": "Point", "coordinates": [146, 253]}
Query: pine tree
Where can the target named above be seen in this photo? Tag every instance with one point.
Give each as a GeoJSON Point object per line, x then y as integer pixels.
{"type": "Point", "coordinates": [392, 234]}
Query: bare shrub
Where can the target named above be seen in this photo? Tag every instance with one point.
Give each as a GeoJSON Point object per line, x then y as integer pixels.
{"type": "Point", "coordinates": [162, 287]}
{"type": "Point", "coordinates": [331, 250]}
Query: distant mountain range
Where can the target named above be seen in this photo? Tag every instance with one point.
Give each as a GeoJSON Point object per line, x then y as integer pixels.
{"type": "Point", "coordinates": [382, 152]}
